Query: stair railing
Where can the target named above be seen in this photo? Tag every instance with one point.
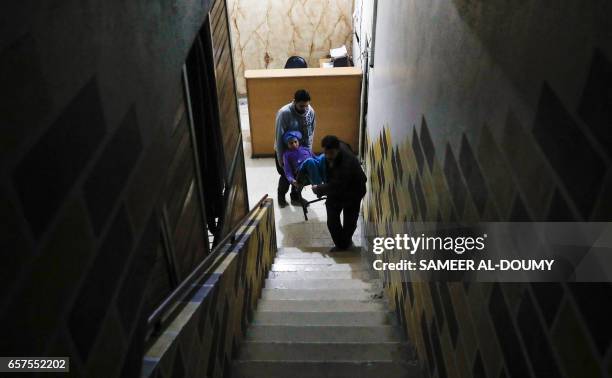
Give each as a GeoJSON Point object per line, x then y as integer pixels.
{"type": "Point", "coordinates": [165, 312]}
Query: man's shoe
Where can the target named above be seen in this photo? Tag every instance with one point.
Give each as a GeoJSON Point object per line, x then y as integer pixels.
{"type": "Point", "coordinates": [334, 249]}
{"type": "Point", "coordinates": [282, 202]}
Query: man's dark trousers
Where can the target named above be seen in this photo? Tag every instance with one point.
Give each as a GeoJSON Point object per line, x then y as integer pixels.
{"type": "Point", "coordinates": [283, 184]}
{"type": "Point", "coordinates": [342, 233]}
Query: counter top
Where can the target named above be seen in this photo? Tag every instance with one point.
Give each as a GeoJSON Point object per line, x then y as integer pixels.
{"type": "Point", "coordinates": [302, 72]}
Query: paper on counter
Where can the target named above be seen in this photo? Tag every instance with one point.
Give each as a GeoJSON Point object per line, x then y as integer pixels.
{"type": "Point", "coordinates": [338, 52]}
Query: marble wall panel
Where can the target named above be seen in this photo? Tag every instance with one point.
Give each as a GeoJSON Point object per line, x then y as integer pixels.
{"type": "Point", "coordinates": [266, 32]}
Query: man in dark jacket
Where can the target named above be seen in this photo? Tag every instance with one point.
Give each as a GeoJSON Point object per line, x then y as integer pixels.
{"type": "Point", "coordinates": [345, 187]}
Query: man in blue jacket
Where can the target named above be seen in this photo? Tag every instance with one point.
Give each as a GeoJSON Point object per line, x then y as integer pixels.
{"type": "Point", "coordinates": [298, 115]}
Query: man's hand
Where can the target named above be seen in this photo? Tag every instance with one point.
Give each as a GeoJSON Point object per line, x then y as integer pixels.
{"type": "Point", "coordinates": [294, 183]}
{"type": "Point", "coordinates": [315, 190]}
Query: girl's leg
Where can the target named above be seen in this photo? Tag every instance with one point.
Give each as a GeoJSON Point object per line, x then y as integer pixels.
{"type": "Point", "coordinates": [311, 166]}
{"type": "Point", "coordinates": [322, 167]}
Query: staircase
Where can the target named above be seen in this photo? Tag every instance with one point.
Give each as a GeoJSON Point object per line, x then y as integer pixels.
{"type": "Point", "coordinates": [321, 315]}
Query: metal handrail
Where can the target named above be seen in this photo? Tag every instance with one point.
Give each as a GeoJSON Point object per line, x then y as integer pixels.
{"type": "Point", "coordinates": [160, 315]}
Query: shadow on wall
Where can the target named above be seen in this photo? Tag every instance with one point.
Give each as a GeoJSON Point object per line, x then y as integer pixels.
{"type": "Point", "coordinates": [523, 38]}
{"type": "Point", "coordinates": [554, 170]}
{"type": "Point", "coordinates": [574, 138]}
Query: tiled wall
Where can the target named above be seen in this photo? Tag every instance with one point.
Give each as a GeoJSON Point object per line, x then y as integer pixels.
{"type": "Point", "coordinates": [267, 32]}
{"type": "Point", "coordinates": [90, 97]}
{"type": "Point", "coordinates": [202, 338]}
{"type": "Point", "coordinates": [480, 116]}
{"type": "Point", "coordinates": [478, 329]}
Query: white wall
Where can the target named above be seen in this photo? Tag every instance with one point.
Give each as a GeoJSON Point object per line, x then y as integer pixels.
{"type": "Point", "coordinates": [362, 25]}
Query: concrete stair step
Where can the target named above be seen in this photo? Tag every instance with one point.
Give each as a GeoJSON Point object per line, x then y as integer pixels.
{"type": "Point", "coordinates": [322, 306]}
{"type": "Point", "coordinates": [312, 251]}
{"type": "Point", "coordinates": [291, 351]}
{"type": "Point", "coordinates": [329, 334]}
{"type": "Point", "coordinates": [314, 260]}
{"type": "Point", "coordinates": [278, 318]}
{"type": "Point", "coordinates": [325, 369]}
{"type": "Point", "coordinates": [360, 275]}
{"type": "Point", "coordinates": [317, 284]}
{"type": "Point", "coordinates": [318, 250]}
{"type": "Point", "coordinates": [317, 255]}
{"type": "Point", "coordinates": [286, 267]}
{"type": "Point", "coordinates": [327, 294]}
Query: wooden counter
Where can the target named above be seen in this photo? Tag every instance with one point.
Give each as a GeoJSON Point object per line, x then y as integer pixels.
{"type": "Point", "coordinates": [335, 93]}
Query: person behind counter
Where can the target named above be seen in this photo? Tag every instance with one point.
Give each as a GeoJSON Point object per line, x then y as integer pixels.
{"type": "Point", "coordinates": [298, 115]}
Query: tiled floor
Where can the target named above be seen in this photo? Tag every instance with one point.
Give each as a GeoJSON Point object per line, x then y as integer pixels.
{"type": "Point", "coordinates": [291, 228]}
